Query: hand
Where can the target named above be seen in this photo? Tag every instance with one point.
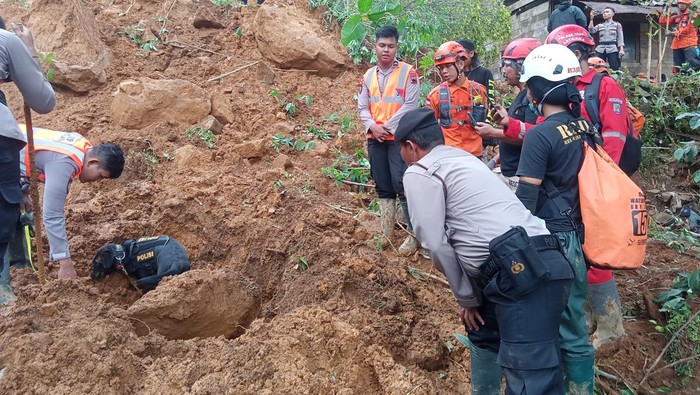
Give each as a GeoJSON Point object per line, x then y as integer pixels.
{"type": "Point", "coordinates": [25, 35]}
{"type": "Point", "coordinates": [592, 13]}
{"type": "Point", "coordinates": [487, 131]}
{"type": "Point", "coordinates": [622, 52]}
{"type": "Point", "coordinates": [26, 204]}
{"type": "Point", "coordinates": [379, 132]}
{"type": "Point", "coordinates": [500, 115]}
{"type": "Point", "coordinates": [66, 270]}
{"type": "Point", "coordinates": [470, 317]}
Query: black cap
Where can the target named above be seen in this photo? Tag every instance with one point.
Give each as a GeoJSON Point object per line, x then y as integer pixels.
{"type": "Point", "coordinates": [413, 120]}
{"type": "Point", "coordinates": [468, 45]}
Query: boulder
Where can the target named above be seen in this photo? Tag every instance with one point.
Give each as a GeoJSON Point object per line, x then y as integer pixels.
{"type": "Point", "coordinates": [69, 30]}
{"type": "Point", "coordinates": [188, 156]}
{"type": "Point", "coordinates": [138, 104]}
{"type": "Point", "coordinates": [211, 123]}
{"type": "Point", "coordinates": [221, 108]}
{"type": "Point", "coordinates": [208, 16]}
{"type": "Point", "coordinates": [251, 149]}
{"type": "Point", "coordinates": [290, 39]}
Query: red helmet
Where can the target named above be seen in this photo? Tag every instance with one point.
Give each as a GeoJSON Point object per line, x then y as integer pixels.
{"type": "Point", "coordinates": [520, 48]}
{"type": "Point", "coordinates": [449, 52]}
{"type": "Point", "coordinates": [688, 2]}
{"type": "Point", "coordinates": [570, 34]}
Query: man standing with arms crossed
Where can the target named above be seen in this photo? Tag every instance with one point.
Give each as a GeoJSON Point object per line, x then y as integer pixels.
{"type": "Point", "coordinates": [387, 91]}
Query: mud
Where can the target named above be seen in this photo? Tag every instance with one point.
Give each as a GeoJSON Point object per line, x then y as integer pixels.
{"type": "Point", "coordinates": [246, 319]}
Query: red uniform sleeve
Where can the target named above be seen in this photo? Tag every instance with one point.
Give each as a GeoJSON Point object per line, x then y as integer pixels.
{"type": "Point", "coordinates": [614, 118]}
{"type": "Point", "coordinates": [518, 129]}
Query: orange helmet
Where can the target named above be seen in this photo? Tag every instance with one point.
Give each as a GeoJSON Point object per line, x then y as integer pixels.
{"type": "Point", "coordinates": [570, 34]}
{"type": "Point", "coordinates": [449, 52]}
{"type": "Point", "coordinates": [597, 63]}
{"type": "Point", "coordinates": [687, 2]}
{"type": "Point", "coordinates": [520, 48]}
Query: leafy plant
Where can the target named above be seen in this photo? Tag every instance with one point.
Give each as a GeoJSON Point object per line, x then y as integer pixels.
{"type": "Point", "coordinates": [238, 32]}
{"type": "Point", "coordinates": [200, 133]}
{"type": "Point", "coordinates": [223, 3]}
{"type": "Point", "coordinates": [48, 59]}
{"type": "Point", "coordinates": [675, 302]}
{"type": "Point", "coordinates": [23, 3]}
{"type": "Point", "coordinates": [694, 118]}
{"type": "Point", "coordinates": [142, 162]}
{"type": "Point", "coordinates": [301, 145]}
{"type": "Point", "coordinates": [135, 34]}
{"type": "Point", "coordinates": [301, 263]}
{"type": "Point", "coordinates": [290, 109]}
{"type": "Point", "coordinates": [279, 141]}
{"type": "Point", "coordinates": [354, 168]}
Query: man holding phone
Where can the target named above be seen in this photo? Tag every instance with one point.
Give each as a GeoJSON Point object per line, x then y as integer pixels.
{"type": "Point", "coordinates": [611, 42]}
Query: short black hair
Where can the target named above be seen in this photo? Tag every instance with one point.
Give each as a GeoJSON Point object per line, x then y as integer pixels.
{"type": "Point", "coordinates": [427, 137]}
{"type": "Point", "coordinates": [111, 158]}
{"type": "Point", "coordinates": [2, 24]}
{"type": "Point", "coordinates": [609, 8]}
{"type": "Point", "coordinates": [387, 31]}
{"type": "Point", "coordinates": [469, 46]}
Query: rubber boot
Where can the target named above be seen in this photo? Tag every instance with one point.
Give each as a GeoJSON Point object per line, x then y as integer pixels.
{"type": "Point", "coordinates": [606, 313]}
{"type": "Point", "coordinates": [6, 294]}
{"type": "Point", "coordinates": [486, 372]}
{"type": "Point", "coordinates": [410, 245]}
{"type": "Point", "coordinates": [579, 377]}
{"type": "Point", "coordinates": [16, 254]}
{"type": "Point", "coordinates": [387, 211]}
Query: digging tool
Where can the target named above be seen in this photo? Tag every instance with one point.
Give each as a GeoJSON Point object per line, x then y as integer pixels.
{"type": "Point", "coordinates": [34, 194]}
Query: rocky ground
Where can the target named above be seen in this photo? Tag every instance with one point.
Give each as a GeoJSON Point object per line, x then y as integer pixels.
{"type": "Point", "coordinates": [247, 319]}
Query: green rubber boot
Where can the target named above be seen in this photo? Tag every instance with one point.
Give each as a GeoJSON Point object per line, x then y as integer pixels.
{"type": "Point", "coordinates": [606, 313]}
{"type": "Point", "coordinates": [579, 377]}
{"type": "Point", "coordinates": [486, 372]}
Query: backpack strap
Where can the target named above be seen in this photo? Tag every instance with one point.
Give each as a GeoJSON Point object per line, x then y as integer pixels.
{"type": "Point", "coordinates": [445, 106]}
{"type": "Point", "coordinates": [430, 171]}
{"type": "Point", "coordinates": [591, 100]}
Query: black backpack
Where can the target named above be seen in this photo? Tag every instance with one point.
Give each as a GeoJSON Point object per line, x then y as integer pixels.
{"type": "Point", "coordinates": [631, 156]}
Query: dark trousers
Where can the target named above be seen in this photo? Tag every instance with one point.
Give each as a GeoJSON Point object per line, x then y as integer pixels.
{"type": "Point", "coordinates": [613, 59]}
{"type": "Point", "coordinates": [524, 331]}
{"type": "Point", "coordinates": [387, 169]}
{"type": "Point", "coordinates": [10, 193]}
{"type": "Point", "coordinates": [685, 55]}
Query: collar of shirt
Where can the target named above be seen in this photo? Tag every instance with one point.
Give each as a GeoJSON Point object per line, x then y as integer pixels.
{"type": "Point", "coordinates": [588, 77]}
{"type": "Point", "coordinates": [390, 69]}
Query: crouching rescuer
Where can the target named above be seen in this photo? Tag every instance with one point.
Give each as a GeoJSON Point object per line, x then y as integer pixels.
{"type": "Point", "coordinates": [507, 273]}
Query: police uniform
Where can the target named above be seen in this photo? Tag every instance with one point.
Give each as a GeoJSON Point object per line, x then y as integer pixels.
{"type": "Point", "coordinates": [610, 40]}
{"type": "Point", "coordinates": [459, 209]}
{"type": "Point", "coordinates": [16, 64]}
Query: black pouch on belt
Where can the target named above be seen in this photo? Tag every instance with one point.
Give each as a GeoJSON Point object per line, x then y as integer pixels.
{"type": "Point", "coordinates": [517, 255]}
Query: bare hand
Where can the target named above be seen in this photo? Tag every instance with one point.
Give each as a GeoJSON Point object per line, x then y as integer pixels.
{"type": "Point", "coordinates": [380, 132]}
{"type": "Point", "coordinates": [500, 115]}
{"type": "Point", "coordinates": [26, 204]}
{"type": "Point", "coordinates": [66, 270]}
{"type": "Point", "coordinates": [622, 52]}
{"type": "Point", "coordinates": [470, 317]}
{"type": "Point", "coordinates": [25, 35]}
{"type": "Point", "coordinates": [488, 132]}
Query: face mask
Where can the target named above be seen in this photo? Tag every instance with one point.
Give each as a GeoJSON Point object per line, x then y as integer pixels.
{"type": "Point", "coordinates": [534, 109]}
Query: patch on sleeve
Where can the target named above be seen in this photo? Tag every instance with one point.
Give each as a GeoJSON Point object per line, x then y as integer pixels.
{"type": "Point", "coordinates": [413, 75]}
{"type": "Point", "coordinates": [617, 108]}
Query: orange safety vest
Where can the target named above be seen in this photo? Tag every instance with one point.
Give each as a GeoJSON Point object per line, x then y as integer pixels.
{"type": "Point", "coordinates": [453, 107]}
{"type": "Point", "coordinates": [70, 144]}
{"type": "Point", "coordinates": [384, 106]}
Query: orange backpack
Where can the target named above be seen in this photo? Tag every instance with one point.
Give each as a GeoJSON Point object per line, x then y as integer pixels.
{"type": "Point", "coordinates": [613, 210]}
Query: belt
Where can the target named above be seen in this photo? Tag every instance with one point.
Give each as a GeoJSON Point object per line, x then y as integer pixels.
{"type": "Point", "coordinates": [491, 267]}
{"type": "Point", "coordinates": [607, 43]}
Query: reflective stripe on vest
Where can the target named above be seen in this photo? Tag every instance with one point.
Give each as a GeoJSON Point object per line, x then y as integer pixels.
{"type": "Point", "coordinates": [384, 106]}
{"type": "Point", "coordinates": [445, 106]}
{"type": "Point", "coordinates": [70, 144]}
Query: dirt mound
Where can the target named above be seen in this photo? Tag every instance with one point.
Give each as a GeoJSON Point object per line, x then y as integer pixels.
{"type": "Point", "coordinates": [286, 275]}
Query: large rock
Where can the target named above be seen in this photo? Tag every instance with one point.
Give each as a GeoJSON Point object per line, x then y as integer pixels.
{"type": "Point", "coordinates": [198, 303]}
{"type": "Point", "coordinates": [138, 104]}
{"type": "Point", "coordinates": [290, 39]}
{"type": "Point", "coordinates": [69, 30]}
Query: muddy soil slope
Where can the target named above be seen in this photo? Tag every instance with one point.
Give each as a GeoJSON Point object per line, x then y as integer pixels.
{"type": "Point", "coordinates": [288, 292]}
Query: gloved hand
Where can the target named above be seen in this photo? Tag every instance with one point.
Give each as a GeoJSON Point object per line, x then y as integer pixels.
{"type": "Point", "coordinates": [27, 219]}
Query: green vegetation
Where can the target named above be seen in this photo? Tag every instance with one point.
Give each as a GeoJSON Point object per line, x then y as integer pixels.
{"type": "Point", "coordinates": [200, 133]}
{"type": "Point", "coordinates": [290, 104]}
{"type": "Point", "coordinates": [281, 143]}
{"type": "Point", "coordinates": [422, 24]}
{"type": "Point", "coordinates": [682, 328]}
{"type": "Point", "coordinates": [135, 34]}
{"type": "Point", "coordinates": [48, 59]}
{"type": "Point", "coordinates": [353, 168]}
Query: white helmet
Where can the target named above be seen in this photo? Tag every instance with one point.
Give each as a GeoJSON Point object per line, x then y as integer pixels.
{"type": "Point", "coordinates": [553, 62]}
